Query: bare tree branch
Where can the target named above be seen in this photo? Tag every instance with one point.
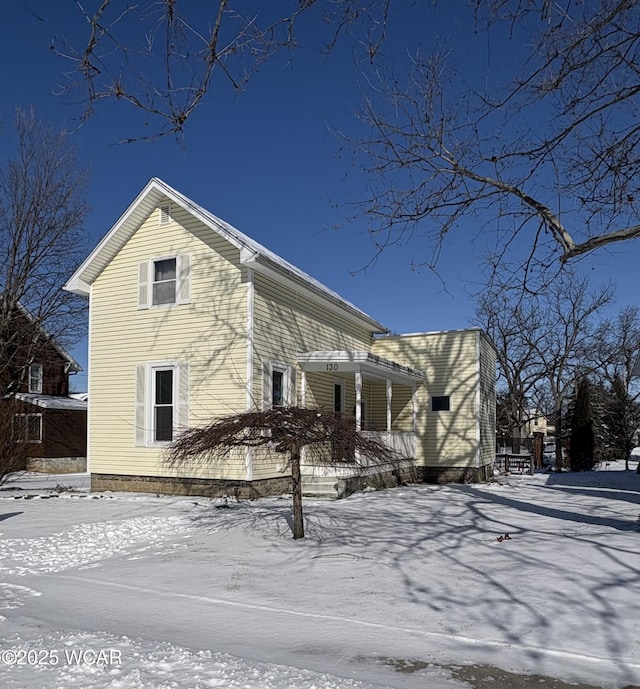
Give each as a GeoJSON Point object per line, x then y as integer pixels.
{"type": "Point", "coordinates": [549, 157]}
{"type": "Point", "coordinates": [162, 57]}
{"type": "Point", "coordinates": [42, 240]}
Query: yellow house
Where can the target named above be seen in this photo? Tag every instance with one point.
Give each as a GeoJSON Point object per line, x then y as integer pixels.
{"type": "Point", "coordinates": [190, 320]}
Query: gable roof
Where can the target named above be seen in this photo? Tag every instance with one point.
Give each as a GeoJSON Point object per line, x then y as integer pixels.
{"type": "Point", "coordinates": [252, 254]}
{"type": "Point", "coordinates": [72, 364]}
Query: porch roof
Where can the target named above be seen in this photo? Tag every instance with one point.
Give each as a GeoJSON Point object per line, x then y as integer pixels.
{"type": "Point", "coordinates": [365, 362]}
{"type": "Point", "coordinates": [51, 401]}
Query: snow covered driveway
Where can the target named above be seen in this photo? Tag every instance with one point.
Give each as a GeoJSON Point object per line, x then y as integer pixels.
{"type": "Point", "coordinates": [125, 591]}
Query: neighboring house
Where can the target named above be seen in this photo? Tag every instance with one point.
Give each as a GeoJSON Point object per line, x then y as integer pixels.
{"type": "Point", "coordinates": [191, 320]}
{"type": "Point", "coordinates": [51, 423]}
{"type": "Point", "coordinates": [534, 421]}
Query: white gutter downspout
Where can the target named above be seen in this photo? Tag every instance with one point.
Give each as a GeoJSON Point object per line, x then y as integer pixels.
{"type": "Point", "coordinates": [478, 404]}
{"type": "Point", "coordinates": [248, 455]}
{"type": "Point", "coordinates": [389, 396]}
{"type": "Point", "coordinates": [89, 371]}
{"type": "Point", "coordinates": [358, 384]}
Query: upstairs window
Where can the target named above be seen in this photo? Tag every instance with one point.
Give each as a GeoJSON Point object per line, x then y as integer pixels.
{"type": "Point", "coordinates": [35, 378]}
{"type": "Point", "coordinates": [164, 281]}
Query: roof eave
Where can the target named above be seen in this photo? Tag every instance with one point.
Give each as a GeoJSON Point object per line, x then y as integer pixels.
{"type": "Point", "coordinates": [267, 266]}
{"type": "Point", "coordinates": [251, 256]}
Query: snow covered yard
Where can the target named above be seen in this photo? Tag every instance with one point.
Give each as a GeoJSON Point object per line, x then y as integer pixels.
{"type": "Point", "coordinates": [390, 589]}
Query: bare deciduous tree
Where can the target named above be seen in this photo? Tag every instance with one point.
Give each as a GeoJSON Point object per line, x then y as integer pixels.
{"type": "Point", "coordinates": [565, 347]}
{"type": "Point", "coordinates": [544, 342]}
{"type": "Point", "coordinates": [42, 240]}
{"type": "Point", "coordinates": [541, 147]}
{"type": "Point", "coordinates": [539, 151]}
{"type": "Point", "coordinates": [506, 320]}
{"type": "Point", "coordinates": [285, 429]}
{"type": "Point", "coordinates": [162, 58]}
{"type": "Point", "coordinates": [617, 349]}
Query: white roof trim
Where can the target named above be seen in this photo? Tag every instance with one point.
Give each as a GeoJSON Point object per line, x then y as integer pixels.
{"type": "Point", "coordinates": [252, 253]}
{"type": "Point", "coordinates": [434, 332]}
{"type": "Point", "coordinates": [51, 401]}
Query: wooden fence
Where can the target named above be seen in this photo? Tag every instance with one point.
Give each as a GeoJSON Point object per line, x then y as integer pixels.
{"type": "Point", "coordinates": [507, 463]}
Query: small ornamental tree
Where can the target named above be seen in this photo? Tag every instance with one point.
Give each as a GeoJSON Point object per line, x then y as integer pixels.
{"type": "Point", "coordinates": [287, 430]}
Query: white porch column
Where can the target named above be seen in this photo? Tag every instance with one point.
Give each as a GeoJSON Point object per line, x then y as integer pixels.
{"type": "Point", "coordinates": [358, 384]}
{"type": "Point", "coordinates": [303, 403]}
{"type": "Point", "coordinates": [414, 407]}
{"type": "Point", "coordinates": [389, 396]}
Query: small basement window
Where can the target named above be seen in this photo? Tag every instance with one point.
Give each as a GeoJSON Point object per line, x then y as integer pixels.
{"type": "Point", "coordinates": [440, 403]}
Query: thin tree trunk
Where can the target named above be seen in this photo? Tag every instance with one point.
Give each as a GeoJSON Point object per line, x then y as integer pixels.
{"type": "Point", "coordinates": [296, 490]}
{"type": "Point", "coordinates": [559, 457]}
{"type": "Point", "coordinates": [516, 444]}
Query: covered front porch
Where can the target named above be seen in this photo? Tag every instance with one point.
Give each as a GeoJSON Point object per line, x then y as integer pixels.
{"type": "Point", "coordinates": [381, 396]}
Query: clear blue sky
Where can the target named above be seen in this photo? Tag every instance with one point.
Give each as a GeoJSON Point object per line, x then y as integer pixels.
{"type": "Point", "coordinates": [266, 162]}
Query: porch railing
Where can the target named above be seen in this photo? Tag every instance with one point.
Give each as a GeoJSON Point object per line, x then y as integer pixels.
{"type": "Point", "coordinates": [402, 442]}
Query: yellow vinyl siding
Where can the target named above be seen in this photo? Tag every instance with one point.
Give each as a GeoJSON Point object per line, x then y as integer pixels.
{"type": "Point", "coordinates": [487, 401]}
{"type": "Point", "coordinates": [287, 322]}
{"type": "Point", "coordinates": [449, 361]}
{"type": "Point", "coordinates": [209, 332]}
{"type": "Point", "coordinates": [377, 404]}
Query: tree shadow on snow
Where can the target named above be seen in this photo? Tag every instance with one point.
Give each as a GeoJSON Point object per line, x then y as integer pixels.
{"type": "Point", "coordinates": [432, 552]}
{"type": "Point", "coordinates": [8, 515]}
{"type": "Point", "coordinates": [611, 485]}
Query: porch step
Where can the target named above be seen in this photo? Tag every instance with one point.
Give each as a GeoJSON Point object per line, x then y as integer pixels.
{"type": "Point", "coordinates": [320, 487]}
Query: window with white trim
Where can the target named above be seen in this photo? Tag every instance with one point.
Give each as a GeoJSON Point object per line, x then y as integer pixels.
{"type": "Point", "coordinates": [36, 374]}
{"type": "Point", "coordinates": [162, 402]}
{"type": "Point", "coordinates": [278, 385]}
{"type": "Point", "coordinates": [163, 286]}
{"type": "Point", "coordinates": [338, 396]}
{"type": "Point", "coordinates": [27, 428]}
{"type": "Point", "coordinates": [164, 281]}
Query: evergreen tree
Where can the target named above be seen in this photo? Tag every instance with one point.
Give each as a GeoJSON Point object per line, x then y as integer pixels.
{"type": "Point", "coordinates": [622, 418]}
{"type": "Point", "coordinates": [581, 451]}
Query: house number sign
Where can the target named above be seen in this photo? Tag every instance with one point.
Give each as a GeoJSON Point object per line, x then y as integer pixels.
{"type": "Point", "coordinates": [332, 367]}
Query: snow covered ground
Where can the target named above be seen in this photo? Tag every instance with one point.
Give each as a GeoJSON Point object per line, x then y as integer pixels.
{"type": "Point", "coordinates": [412, 587]}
